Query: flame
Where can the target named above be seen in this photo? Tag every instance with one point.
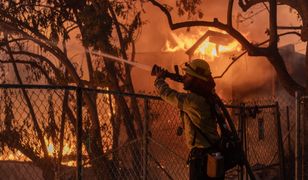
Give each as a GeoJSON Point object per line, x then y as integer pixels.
{"type": "Point", "coordinates": [183, 42]}
{"type": "Point", "coordinates": [66, 150]}
{"type": "Point", "coordinates": [50, 149]}
{"type": "Point", "coordinates": [206, 49]}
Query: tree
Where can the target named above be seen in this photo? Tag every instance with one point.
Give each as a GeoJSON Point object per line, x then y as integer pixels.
{"type": "Point", "coordinates": [270, 52]}
{"type": "Point", "coordinates": [50, 25]}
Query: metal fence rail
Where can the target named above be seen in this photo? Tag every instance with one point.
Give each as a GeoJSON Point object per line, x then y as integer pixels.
{"type": "Point", "coordinates": [300, 156]}
{"type": "Point", "coordinates": [48, 132]}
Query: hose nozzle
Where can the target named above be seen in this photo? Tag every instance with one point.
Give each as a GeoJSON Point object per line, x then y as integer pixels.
{"type": "Point", "coordinates": [173, 76]}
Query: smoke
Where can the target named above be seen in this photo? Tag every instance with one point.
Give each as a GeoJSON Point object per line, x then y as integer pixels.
{"type": "Point", "coordinates": [144, 82]}
{"type": "Point", "coordinates": [249, 76]}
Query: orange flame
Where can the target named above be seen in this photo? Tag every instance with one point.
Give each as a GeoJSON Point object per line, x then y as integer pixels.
{"type": "Point", "coordinates": [206, 49]}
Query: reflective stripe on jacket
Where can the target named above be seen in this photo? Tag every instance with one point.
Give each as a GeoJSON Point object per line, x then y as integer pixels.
{"type": "Point", "coordinates": [195, 109]}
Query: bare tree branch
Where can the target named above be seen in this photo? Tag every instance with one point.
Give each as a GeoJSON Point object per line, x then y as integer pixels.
{"type": "Point", "coordinates": [62, 126]}
{"type": "Point", "coordinates": [229, 13]}
{"type": "Point", "coordinates": [12, 139]}
{"type": "Point", "coordinates": [249, 3]}
{"type": "Point", "coordinates": [252, 50]}
{"type": "Point", "coordinates": [273, 24]}
{"type": "Point", "coordinates": [33, 64]}
{"type": "Point", "coordinates": [290, 27]}
{"type": "Point", "coordinates": [57, 72]}
{"type": "Point", "coordinates": [42, 41]}
{"type": "Point", "coordinates": [271, 52]}
{"type": "Point", "coordinates": [37, 128]}
{"type": "Point", "coordinates": [234, 59]}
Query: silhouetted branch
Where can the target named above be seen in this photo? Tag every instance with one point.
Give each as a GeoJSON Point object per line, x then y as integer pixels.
{"type": "Point", "coordinates": [273, 24]}
{"type": "Point", "coordinates": [234, 59]}
{"type": "Point", "coordinates": [252, 50]}
{"type": "Point", "coordinates": [229, 13]}
{"type": "Point", "coordinates": [37, 128]}
{"type": "Point", "coordinates": [33, 64]}
{"type": "Point", "coordinates": [249, 3]}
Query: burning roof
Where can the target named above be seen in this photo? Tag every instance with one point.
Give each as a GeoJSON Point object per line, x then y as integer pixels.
{"type": "Point", "coordinates": [210, 44]}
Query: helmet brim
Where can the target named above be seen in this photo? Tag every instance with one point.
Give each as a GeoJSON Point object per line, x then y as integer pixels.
{"type": "Point", "coordinates": [194, 74]}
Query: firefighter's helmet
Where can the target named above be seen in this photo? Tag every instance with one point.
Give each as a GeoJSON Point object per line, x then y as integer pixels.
{"type": "Point", "coordinates": [198, 68]}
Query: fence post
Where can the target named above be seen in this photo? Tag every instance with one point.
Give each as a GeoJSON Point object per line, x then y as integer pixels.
{"type": "Point", "coordinates": [145, 139]}
{"type": "Point", "coordinates": [79, 133]}
{"type": "Point", "coordinates": [297, 138]}
{"type": "Point", "coordinates": [291, 162]}
{"type": "Point", "coordinates": [241, 136]}
{"type": "Point", "coordinates": [245, 126]}
{"type": "Point", "coordinates": [280, 143]}
{"type": "Point", "coordinates": [244, 138]}
{"type": "Point", "coordinates": [303, 117]}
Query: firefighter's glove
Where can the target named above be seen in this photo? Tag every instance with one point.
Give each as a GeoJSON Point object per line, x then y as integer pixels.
{"type": "Point", "coordinates": [159, 72]}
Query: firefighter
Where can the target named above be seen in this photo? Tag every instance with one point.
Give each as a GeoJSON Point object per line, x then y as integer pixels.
{"type": "Point", "coordinates": [196, 112]}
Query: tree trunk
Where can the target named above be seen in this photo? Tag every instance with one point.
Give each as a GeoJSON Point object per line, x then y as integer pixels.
{"type": "Point", "coordinates": [303, 10]}
{"type": "Point", "coordinates": [128, 119]}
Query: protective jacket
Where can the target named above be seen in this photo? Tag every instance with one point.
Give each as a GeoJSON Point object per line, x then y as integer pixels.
{"type": "Point", "coordinates": [195, 109]}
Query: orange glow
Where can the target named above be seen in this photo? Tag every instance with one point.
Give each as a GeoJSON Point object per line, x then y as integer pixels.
{"type": "Point", "coordinates": [66, 150]}
{"type": "Point", "coordinates": [69, 149]}
{"type": "Point", "coordinates": [206, 49]}
{"type": "Point", "coordinates": [50, 149]}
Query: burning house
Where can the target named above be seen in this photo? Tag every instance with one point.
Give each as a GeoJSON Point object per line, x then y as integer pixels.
{"type": "Point", "coordinates": [247, 77]}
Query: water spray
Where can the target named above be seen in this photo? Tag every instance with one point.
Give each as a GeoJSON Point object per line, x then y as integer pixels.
{"type": "Point", "coordinates": [174, 76]}
{"type": "Point", "coordinates": [135, 64]}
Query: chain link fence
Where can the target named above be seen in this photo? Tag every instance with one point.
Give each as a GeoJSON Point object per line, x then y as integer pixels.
{"type": "Point", "coordinates": [259, 128]}
{"type": "Point", "coordinates": [36, 141]}
{"type": "Point", "coordinates": [42, 129]}
{"type": "Point", "coordinates": [300, 136]}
